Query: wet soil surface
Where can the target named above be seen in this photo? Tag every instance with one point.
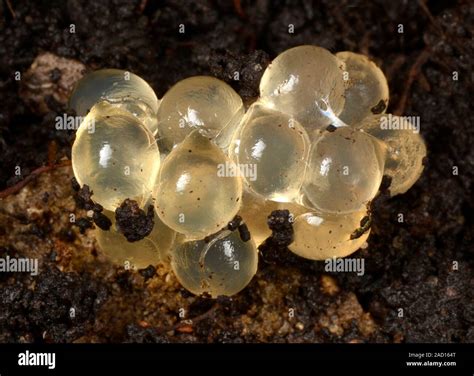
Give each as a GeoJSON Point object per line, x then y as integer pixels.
{"type": "Point", "coordinates": [418, 284]}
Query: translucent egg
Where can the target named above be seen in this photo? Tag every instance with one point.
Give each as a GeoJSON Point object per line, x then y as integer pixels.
{"type": "Point", "coordinates": [405, 149]}
{"type": "Point", "coordinates": [254, 111]}
{"type": "Point", "coordinates": [223, 266]}
{"type": "Point", "coordinates": [305, 82]}
{"type": "Point", "coordinates": [115, 155]}
{"type": "Point", "coordinates": [345, 171]}
{"type": "Point", "coordinates": [255, 211]}
{"type": "Point", "coordinates": [272, 155]}
{"type": "Point", "coordinates": [319, 237]}
{"type": "Point", "coordinates": [153, 249]}
{"type": "Point", "coordinates": [120, 88]}
{"type": "Point", "coordinates": [367, 91]}
{"type": "Point", "coordinates": [196, 193]}
{"type": "Point", "coordinates": [199, 102]}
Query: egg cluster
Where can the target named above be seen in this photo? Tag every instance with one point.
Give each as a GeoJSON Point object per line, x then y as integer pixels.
{"type": "Point", "coordinates": [317, 142]}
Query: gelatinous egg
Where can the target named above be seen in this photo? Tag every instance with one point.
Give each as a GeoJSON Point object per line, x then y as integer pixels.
{"type": "Point", "coordinates": [199, 102]}
{"type": "Point", "coordinates": [272, 155]}
{"type": "Point", "coordinates": [305, 82]}
{"type": "Point", "coordinates": [405, 148]}
{"type": "Point", "coordinates": [197, 192]}
{"type": "Point", "coordinates": [115, 155]}
{"type": "Point", "coordinates": [323, 236]}
{"type": "Point", "coordinates": [255, 211]}
{"type": "Point", "coordinates": [222, 266]}
{"type": "Point", "coordinates": [344, 172]}
{"type": "Point", "coordinates": [254, 111]}
{"type": "Point", "coordinates": [367, 91]}
{"type": "Point", "coordinates": [120, 88]}
{"type": "Point", "coordinates": [153, 249]}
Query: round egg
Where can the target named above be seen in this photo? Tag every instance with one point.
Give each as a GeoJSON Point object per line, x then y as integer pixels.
{"type": "Point", "coordinates": [203, 103]}
{"type": "Point", "coordinates": [322, 236]}
{"type": "Point", "coordinates": [305, 82]}
{"type": "Point", "coordinates": [406, 148]}
{"type": "Point", "coordinates": [115, 155]}
{"type": "Point", "coordinates": [344, 172]}
{"type": "Point", "coordinates": [367, 89]}
{"type": "Point", "coordinates": [119, 88]}
{"type": "Point", "coordinates": [272, 155]}
{"type": "Point", "coordinates": [198, 190]}
{"type": "Point", "coordinates": [222, 266]}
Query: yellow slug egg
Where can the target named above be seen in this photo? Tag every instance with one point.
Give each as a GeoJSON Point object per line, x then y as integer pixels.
{"type": "Point", "coordinates": [272, 154]}
{"type": "Point", "coordinates": [406, 148]}
{"type": "Point", "coordinates": [367, 91]}
{"type": "Point", "coordinates": [194, 194]}
{"type": "Point", "coordinates": [119, 88]}
{"type": "Point", "coordinates": [344, 172]}
{"type": "Point", "coordinates": [203, 103]}
{"type": "Point", "coordinates": [322, 236]}
{"type": "Point", "coordinates": [223, 265]}
{"type": "Point", "coordinates": [115, 155]}
{"type": "Point", "coordinates": [305, 82]}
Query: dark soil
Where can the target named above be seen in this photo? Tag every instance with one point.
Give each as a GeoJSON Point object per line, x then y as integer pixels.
{"type": "Point", "coordinates": [419, 274]}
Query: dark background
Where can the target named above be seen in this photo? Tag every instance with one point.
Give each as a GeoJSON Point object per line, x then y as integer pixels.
{"type": "Point", "coordinates": [408, 265]}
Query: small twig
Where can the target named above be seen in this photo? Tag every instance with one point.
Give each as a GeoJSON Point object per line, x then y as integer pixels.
{"type": "Point", "coordinates": [52, 152]}
{"type": "Point", "coordinates": [428, 14]}
{"type": "Point", "coordinates": [412, 74]}
{"type": "Point", "coordinates": [188, 322]}
{"type": "Point", "coordinates": [22, 183]}
{"type": "Point", "coordinates": [238, 9]}
{"type": "Point", "coordinates": [142, 6]}
{"type": "Point", "coordinates": [365, 43]}
{"type": "Point", "coordinates": [438, 27]}
{"type": "Point", "coordinates": [10, 8]}
{"type": "Point", "coordinates": [397, 62]}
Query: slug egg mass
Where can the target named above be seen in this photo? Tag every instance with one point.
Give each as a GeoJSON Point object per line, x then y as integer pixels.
{"type": "Point", "coordinates": [192, 196]}
{"type": "Point", "coordinates": [119, 88]}
{"type": "Point", "coordinates": [314, 145]}
{"type": "Point", "coordinates": [115, 155]}
{"type": "Point", "coordinates": [305, 82]}
{"type": "Point", "coordinates": [222, 266]}
{"type": "Point", "coordinates": [277, 147]}
{"type": "Point", "coordinates": [200, 102]}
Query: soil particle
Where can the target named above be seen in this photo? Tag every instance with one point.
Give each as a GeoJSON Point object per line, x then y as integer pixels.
{"type": "Point", "coordinates": [133, 222]}
{"type": "Point", "coordinates": [102, 221]}
{"type": "Point", "coordinates": [280, 222]}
